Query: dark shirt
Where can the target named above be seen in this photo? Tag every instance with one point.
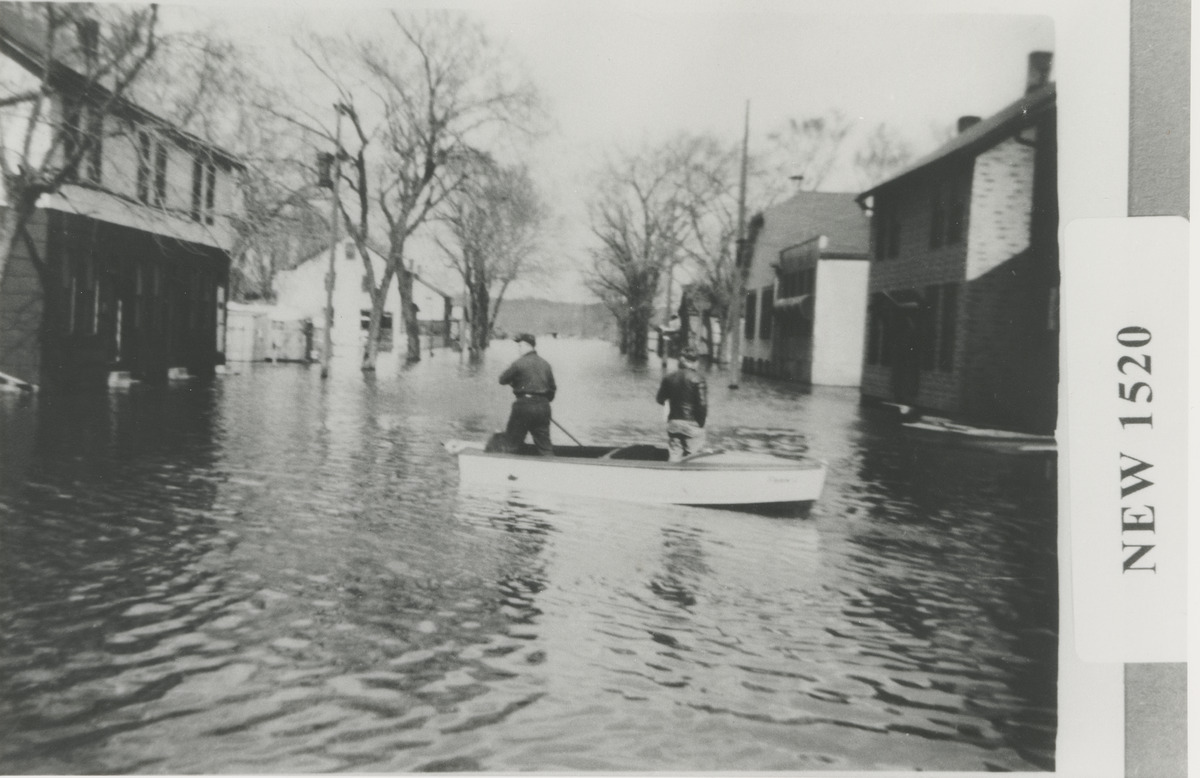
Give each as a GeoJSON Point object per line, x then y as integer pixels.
{"type": "Point", "coordinates": [687, 393]}
{"type": "Point", "coordinates": [530, 375]}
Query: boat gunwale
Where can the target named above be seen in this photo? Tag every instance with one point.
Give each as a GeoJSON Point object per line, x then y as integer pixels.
{"type": "Point", "coordinates": [687, 465]}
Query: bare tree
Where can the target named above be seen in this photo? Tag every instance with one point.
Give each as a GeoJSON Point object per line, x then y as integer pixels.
{"type": "Point", "coordinates": [77, 64]}
{"type": "Point", "coordinates": [423, 104]}
{"type": "Point", "coordinates": [639, 216]}
{"type": "Point", "coordinates": [494, 223]}
{"type": "Point", "coordinates": [710, 184]}
{"type": "Point", "coordinates": [811, 147]}
{"type": "Point", "coordinates": [883, 152]}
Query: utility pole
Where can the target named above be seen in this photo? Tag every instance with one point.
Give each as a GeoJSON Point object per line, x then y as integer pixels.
{"type": "Point", "coordinates": [741, 264]}
{"type": "Point", "coordinates": [331, 276]}
{"type": "Point", "coordinates": [666, 341]}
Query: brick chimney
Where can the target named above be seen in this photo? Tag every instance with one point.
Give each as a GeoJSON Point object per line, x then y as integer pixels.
{"type": "Point", "coordinates": [966, 122]}
{"type": "Point", "coordinates": [1038, 74]}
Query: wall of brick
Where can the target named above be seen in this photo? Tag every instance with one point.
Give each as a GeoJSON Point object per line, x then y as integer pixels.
{"type": "Point", "coordinates": [1001, 205]}
{"type": "Point", "coordinates": [21, 310]}
{"type": "Point", "coordinates": [1004, 373]}
{"type": "Point", "coordinates": [876, 382]}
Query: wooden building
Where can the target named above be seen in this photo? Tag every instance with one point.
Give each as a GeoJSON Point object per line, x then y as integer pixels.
{"type": "Point", "coordinates": [125, 268]}
{"type": "Point", "coordinates": [806, 290]}
{"type": "Point", "coordinates": [302, 289]}
{"type": "Point", "coordinates": [962, 315]}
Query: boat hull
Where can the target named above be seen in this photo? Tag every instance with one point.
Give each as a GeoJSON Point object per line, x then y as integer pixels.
{"type": "Point", "coordinates": [720, 479]}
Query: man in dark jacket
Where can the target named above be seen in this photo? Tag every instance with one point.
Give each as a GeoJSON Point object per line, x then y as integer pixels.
{"type": "Point", "coordinates": [532, 382]}
{"type": "Point", "coordinates": [687, 394]}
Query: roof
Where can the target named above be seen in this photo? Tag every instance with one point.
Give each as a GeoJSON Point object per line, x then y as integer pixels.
{"type": "Point", "coordinates": [19, 41]}
{"type": "Point", "coordinates": [323, 253]}
{"type": "Point", "coordinates": [807, 215]}
{"type": "Point", "coordinates": [983, 134]}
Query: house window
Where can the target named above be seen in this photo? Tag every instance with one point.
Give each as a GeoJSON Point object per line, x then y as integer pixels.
{"type": "Point", "coordinates": [879, 335]}
{"type": "Point", "coordinates": [928, 324]}
{"type": "Point", "coordinates": [880, 225]}
{"type": "Point", "coordinates": [937, 220]}
{"type": "Point", "coordinates": [887, 231]}
{"type": "Point", "coordinates": [204, 180]}
{"type": "Point", "coordinates": [72, 303]}
{"type": "Point", "coordinates": [197, 189]}
{"type": "Point", "coordinates": [210, 194]}
{"type": "Point", "coordinates": [87, 31]}
{"type": "Point", "coordinates": [949, 325]}
{"type": "Point", "coordinates": [938, 323]}
{"type": "Point", "coordinates": [143, 166]}
{"type": "Point", "coordinates": [954, 226]}
{"type": "Point", "coordinates": [82, 138]}
{"type": "Point", "coordinates": [95, 152]}
{"type": "Point", "coordinates": [768, 310]}
{"type": "Point", "coordinates": [751, 314]}
{"type": "Point", "coordinates": [221, 318]}
{"type": "Point", "coordinates": [95, 327]}
{"type": "Point", "coordinates": [385, 320]}
{"type": "Point", "coordinates": [160, 174]}
{"type": "Point", "coordinates": [893, 248]}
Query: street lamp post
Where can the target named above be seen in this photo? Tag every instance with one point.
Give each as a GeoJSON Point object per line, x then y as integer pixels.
{"type": "Point", "coordinates": [331, 276]}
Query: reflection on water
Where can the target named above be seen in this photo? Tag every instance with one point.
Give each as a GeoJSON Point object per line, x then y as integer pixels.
{"type": "Point", "coordinates": [275, 573]}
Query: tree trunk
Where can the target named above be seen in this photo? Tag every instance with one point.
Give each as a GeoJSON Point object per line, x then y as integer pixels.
{"type": "Point", "coordinates": [378, 303]}
{"type": "Point", "coordinates": [639, 323]}
{"type": "Point", "coordinates": [12, 219]}
{"type": "Point", "coordinates": [481, 325]}
{"type": "Point", "coordinates": [404, 278]}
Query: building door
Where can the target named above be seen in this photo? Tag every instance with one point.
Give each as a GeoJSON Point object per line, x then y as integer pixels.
{"type": "Point", "coordinates": [906, 355]}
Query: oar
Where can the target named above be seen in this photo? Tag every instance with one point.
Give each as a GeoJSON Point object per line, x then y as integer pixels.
{"type": "Point", "coordinates": [569, 435]}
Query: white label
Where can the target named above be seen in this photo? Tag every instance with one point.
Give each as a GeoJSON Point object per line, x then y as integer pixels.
{"type": "Point", "coordinates": [1125, 451]}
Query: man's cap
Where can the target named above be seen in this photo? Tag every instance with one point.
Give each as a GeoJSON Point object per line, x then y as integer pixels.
{"type": "Point", "coordinates": [525, 337]}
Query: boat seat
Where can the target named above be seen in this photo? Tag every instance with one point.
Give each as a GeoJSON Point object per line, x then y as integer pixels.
{"type": "Point", "coordinates": [640, 452]}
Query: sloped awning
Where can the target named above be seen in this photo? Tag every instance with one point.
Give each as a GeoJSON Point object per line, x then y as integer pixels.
{"type": "Point", "coordinates": [903, 299]}
{"type": "Point", "coordinates": [802, 304]}
{"type": "Point", "coordinates": [110, 208]}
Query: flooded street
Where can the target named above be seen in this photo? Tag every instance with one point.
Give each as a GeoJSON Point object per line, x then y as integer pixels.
{"type": "Point", "coordinates": [275, 573]}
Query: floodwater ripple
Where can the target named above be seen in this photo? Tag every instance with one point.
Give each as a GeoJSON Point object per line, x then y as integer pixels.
{"type": "Point", "coordinates": [276, 573]}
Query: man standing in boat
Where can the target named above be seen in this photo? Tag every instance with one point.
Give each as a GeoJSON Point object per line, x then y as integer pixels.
{"type": "Point", "coordinates": [687, 394]}
{"type": "Point", "coordinates": [532, 382]}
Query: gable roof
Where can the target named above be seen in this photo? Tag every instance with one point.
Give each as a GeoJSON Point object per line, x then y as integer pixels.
{"type": "Point", "coordinates": [807, 215]}
{"type": "Point", "coordinates": [982, 135]}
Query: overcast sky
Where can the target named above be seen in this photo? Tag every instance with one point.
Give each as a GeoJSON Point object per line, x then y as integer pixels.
{"type": "Point", "coordinates": [627, 72]}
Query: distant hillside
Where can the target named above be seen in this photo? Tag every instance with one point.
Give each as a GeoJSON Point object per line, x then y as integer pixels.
{"type": "Point", "coordinates": [542, 317]}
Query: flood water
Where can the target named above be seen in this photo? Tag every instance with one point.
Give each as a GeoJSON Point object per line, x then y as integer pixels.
{"type": "Point", "coordinates": [272, 573]}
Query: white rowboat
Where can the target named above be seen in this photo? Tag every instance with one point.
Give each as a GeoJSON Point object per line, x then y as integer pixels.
{"type": "Point", "coordinates": [641, 473]}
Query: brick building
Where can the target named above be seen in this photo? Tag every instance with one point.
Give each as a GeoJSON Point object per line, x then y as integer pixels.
{"type": "Point", "coordinates": [807, 289]}
{"type": "Point", "coordinates": [125, 267]}
{"type": "Point", "coordinates": [962, 314]}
